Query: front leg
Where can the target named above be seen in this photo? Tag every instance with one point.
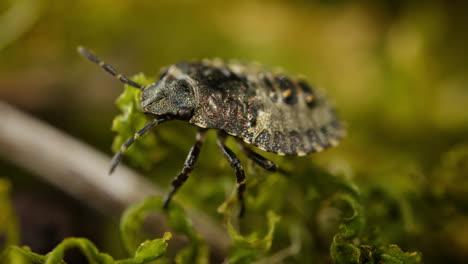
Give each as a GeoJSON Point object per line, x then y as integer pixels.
{"type": "Point", "coordinates": [235, 163]}
{"type": "Point", "coordinates": [118, 156]}
{"type": "Point", "coordinates": [188, 166]}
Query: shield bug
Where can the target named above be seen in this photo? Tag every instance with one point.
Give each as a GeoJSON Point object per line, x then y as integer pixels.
{"type": "Point", "coordinates": [269, 110]}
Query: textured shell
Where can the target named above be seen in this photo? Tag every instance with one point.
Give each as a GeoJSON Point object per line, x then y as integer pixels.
{"type": "Point", "coordinates": [267, 109]}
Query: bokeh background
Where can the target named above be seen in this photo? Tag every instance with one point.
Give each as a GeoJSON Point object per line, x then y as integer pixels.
{"type": "Point", "coordinates": [396, 70]}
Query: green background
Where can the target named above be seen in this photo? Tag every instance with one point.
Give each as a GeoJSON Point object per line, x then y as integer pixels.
{"type": "Point", "coordinates": [396, 70]}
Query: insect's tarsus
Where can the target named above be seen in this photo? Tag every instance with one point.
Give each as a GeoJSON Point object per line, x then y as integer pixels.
{"type": "Point", "coordinates": [118, 156]}
{"type": "Point", "coordinates": [90, 56]}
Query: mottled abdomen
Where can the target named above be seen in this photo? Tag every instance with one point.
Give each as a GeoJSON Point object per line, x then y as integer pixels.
{"type": "Point", "coordinates": [295, 119]}
{"type": "Point", "coordinates": [270, 110]}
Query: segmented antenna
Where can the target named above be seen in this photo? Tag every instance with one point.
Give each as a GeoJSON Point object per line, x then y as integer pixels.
{"type": "Point", "coordinates": [87, 54]}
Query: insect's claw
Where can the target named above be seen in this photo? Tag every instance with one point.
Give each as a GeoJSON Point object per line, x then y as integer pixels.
{"type": "Point", "coordinates": [115, 161]}
{"type": "Point", "coordinates": [242, 210]}
{"type": "Point", "coordinates": [166, 203]}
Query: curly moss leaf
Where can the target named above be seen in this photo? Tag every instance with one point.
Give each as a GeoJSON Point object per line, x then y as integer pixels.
{"type": "Point", "coordinates": [246, 249]}
{"type": "Point", "coordinates": [153, 247]}
{"type": "Point", "coordinates": [133, 218]}
{"type": "Point", "coordinates": [323, 188]}
{"type": "Point", "coordinates": [149, 250]}
{"type": "Point", "coordinates": [87, 247]}
{"type": "Point", "coordinates": [392, 254]}
{"type": "Point", "coordinates": [144, 151]}
{"type": "Point", "coordinates": [24, 255]}
{"type": "Point", "coordinates": [346, 247]}
{"type": "Point", "coordinates": [8, 222]}
{"type": "Point", "coordinates": [352, 224]}
{"type": "Point", "coordinates": [353, 219]}
{"type": "Point", "coordinates": [344, 252]}
{"type": "Point", "coordinates": [146, 252]}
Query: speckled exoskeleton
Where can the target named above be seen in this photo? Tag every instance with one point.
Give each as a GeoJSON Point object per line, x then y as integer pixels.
{"type": "Point", "coordinates": [270, 110]}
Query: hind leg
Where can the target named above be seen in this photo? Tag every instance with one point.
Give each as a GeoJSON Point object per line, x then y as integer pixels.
{"type": "Point", "coordinates": [259, 159]}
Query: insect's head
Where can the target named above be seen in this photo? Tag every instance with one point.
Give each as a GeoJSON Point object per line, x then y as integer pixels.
{"type": "Point", "coordinates": [172, 95]}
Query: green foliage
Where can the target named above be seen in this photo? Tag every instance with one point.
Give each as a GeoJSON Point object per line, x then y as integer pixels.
{"type": "Point", "coordinates": [350, 244]}
{"type": "Point", "coordinates": [346, 252]}
{"type": "Point", "coordinates": [354, 239]}
{"type": "Point", "coordinates": [150, 250]}
{"type": "Point", "coordinates": [132, 220]}
{"type": "Point", "coordinates": [358, 224]}
{"type": "Point", "coordinates": [131, 224]}
{"type": "Point", "coordinates": [24, 255]}
{"type": "Point", "coordinates": [397, 73]}
{"type": "Point", "coordinates": [147, 252]}
{"type": "Point", "coordinates": [8, 223]}
{"type": "Point", "coordinates": [144, 151]}
{"type": "Point", "coordinates": [246, 249]}
{"type": "Point", "coordinates": [87, 247]}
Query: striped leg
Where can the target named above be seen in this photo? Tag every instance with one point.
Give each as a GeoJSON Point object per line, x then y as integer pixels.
{"type": "Point", "coordinates": [87, 54]}
{"type": "Point", "coordinates": [259, 159]}
{"type": "Point", "coordinates": [188, 166]}
{"type": "Point", "coordinates": [118, 156]}
{"type": "Point", "coordinates": [240, 174]}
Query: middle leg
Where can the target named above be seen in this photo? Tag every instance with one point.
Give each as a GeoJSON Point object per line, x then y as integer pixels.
{"type": "Point", "coordinates": [188, 167]}
{"type": "Point", "coordinates": [240, 174]}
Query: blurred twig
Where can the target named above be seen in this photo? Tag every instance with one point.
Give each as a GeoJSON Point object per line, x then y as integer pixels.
{"type": "Point", "coordinates": [81, 171]}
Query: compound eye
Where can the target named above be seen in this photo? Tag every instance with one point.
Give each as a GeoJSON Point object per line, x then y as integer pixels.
{"type": "Point", "coordinates": [184, 86]}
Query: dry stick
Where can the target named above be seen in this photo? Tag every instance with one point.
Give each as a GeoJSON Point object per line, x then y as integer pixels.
{"type": "Point", "coordinates": [81, 171]}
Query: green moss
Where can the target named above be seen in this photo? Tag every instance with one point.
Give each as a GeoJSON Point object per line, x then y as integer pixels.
{"type": "Point", "coordinates": [8, 223]}
{"type": "Point", "coordinates": [144, 152]}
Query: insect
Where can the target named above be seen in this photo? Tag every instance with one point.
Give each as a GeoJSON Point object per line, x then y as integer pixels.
{"type": "Point", "coordinates": [269, 110]}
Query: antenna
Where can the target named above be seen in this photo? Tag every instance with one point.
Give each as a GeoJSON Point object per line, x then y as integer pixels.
{"type": "Point", "coordinates": [90, 56]}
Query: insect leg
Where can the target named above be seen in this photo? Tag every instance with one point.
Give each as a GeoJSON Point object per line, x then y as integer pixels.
{"type": "Point", "coordinates": [259, 159]}
{"type": "Point", "coordinates": [87, 54]}
{"type": "Point", "coordinates": [118, 156]}
{"type": "Point", "coordinates": [240, 174]}
{"type": "Point", "coordinates": [188, 166]}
